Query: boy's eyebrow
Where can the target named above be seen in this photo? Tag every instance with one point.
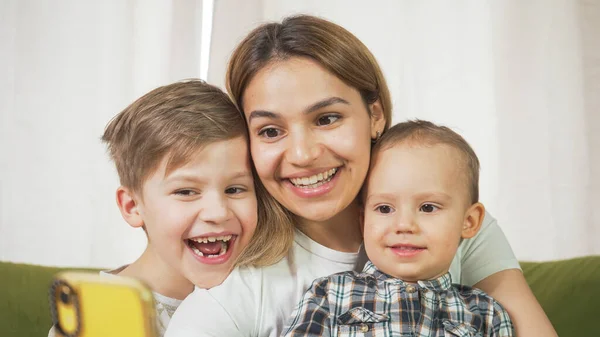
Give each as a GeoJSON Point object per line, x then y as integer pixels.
{"type": "Point", "coordinates": [195, 178]}
{"type": "Point", "coordinates": [311, 108]}
{"type": "Point", "coordinates": [241, 174]}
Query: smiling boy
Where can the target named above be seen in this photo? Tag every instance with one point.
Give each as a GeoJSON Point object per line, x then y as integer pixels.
{"type": "Point", "coordinates": [181, 153]}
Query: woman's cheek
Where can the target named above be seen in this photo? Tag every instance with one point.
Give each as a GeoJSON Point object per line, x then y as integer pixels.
{"type": "Point", "coordinates": [265, 159]}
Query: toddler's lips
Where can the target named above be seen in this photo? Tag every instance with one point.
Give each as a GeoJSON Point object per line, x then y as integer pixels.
{"type": "Point", "coordinates": [407, 251]}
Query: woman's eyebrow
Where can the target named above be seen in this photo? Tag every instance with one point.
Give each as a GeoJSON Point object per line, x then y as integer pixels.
{"type": "Point", "coordinates": [264, 114]}
{"type": "Point", "coordinates": [312, 108]}
{"type": "Point", "coordinates": [325, 103]}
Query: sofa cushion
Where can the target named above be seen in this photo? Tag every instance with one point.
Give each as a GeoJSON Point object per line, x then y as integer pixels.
{"type": "Point", "coordinates": [569, 292]}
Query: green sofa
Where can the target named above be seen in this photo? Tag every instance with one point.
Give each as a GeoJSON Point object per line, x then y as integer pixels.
{"type": "Point", "coordinates": [569, 291]}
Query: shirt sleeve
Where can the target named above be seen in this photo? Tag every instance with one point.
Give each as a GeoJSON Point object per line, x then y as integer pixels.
{"type": "Point", "coordinates": [486, 253]}
{"type": "Point", "coordinates": [311, 317]}
{"type": "Point", "coordinates": [501, 324]}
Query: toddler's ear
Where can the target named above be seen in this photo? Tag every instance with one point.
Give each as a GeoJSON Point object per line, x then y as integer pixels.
{"type": "Point", "coordinates": [129, 207]}
{"type": "Point", "coordinates": [473, 219]}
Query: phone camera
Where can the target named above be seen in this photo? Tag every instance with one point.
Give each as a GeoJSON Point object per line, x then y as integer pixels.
{"type": "Point", "coordinates": [65, 295]}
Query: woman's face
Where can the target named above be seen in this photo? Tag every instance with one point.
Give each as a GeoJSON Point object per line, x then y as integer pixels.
{"type": "Point", "coordinates": [310, 136]}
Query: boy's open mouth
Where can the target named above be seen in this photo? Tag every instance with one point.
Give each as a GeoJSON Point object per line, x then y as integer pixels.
{"type": "Point", "coordinates": [211, 246]}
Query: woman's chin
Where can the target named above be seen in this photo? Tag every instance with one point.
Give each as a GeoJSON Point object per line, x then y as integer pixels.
{"type": "Point", "coordinates": [315, 213]}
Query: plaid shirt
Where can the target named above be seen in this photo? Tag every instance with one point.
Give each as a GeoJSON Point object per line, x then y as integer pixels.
{"type": "Point", "coordinates": [372, 303]}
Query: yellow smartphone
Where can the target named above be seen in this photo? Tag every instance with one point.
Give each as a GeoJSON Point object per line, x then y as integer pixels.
{"type": "Point", "coordinates": [89, 305]}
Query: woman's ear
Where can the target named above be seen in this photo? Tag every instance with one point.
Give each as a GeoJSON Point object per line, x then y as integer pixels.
{"type": "Point", "coordinates": [129, 207]}
{"type": "Point", "coordinates": [377, 119]}
{"type": "Point", "coordinates": [473, 219]}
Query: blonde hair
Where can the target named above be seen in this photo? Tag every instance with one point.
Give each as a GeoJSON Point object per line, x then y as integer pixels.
{"type": "Point", "coordinates": [422, 132]}
{"type": "Point", "coordinates": [330, 45]}
{"type": "Point", "coordinates": [177, 120]}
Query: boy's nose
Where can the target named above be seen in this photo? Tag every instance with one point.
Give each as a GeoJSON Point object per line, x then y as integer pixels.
{"type": "Point", "coordinates": [215, 210]}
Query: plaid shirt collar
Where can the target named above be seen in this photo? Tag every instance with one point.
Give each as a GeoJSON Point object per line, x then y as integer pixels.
{"type": "Point", "coordinates": [440, 284]}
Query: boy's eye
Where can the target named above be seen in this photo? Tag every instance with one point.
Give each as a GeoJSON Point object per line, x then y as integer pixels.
{"type": "Point", "coordinates": [269, 133]}
{"type": "Point", "coordinates": [384, 209]}
{"type": "Point", "coordinates": [428, 208]}
{"type": "Point", "coordinates": [186, 193]}
{"type": "Point", "coordinates": [327, 120]}
{"type": "Point", "coordinates": [234, 190]}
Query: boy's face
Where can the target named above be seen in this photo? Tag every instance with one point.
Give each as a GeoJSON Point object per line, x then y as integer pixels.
{"type": "Point", "coordinates": [416, 208]}
{"type": "Point", "coordinates": [200, 216]}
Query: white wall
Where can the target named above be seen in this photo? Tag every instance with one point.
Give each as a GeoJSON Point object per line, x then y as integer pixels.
{"type": "Point", "coordinates": [518, 79]}
{"type": "Point", "coordinates": [67, 67]}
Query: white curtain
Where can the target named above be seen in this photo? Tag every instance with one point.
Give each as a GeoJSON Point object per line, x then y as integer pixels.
{"type": "Point", "coordinates": [519, 79]}
{"type": "Point", "coordinates": [67, 67]}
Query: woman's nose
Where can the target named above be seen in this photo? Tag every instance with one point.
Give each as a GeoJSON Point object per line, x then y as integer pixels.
{"type": "Point", "coordinates": [303, 148]}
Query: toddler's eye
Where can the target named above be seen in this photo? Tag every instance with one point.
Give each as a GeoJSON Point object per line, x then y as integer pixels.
{"type": "Point", "coordinates": [384, 209]}
{"type": "Point", "coordinates": [269, 133]}
{"type": "Point", "coordinates": [428, 208]}
{"type": "Point", "coordinates": [327, 120]}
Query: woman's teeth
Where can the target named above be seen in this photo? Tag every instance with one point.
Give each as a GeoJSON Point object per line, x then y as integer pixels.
{"type": "Point", "coordinates": [314, 180]}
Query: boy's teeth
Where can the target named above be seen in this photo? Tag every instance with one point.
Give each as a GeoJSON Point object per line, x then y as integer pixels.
{"type": "Point", "coordinates": [223, 250]}
{"type": "Point", "coordinates": [197, 251]}
{"type": "Point", "coordinates": [317, 179]}
{"type": "Point", "coordinates": [223, 238]}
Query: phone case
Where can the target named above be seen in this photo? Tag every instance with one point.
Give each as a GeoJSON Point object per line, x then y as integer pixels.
{"type": "Point", "coordinates": [90, 305]}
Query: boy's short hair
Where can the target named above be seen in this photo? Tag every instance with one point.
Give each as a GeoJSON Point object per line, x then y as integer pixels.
{"type": "Point", "coordinates": [422, 132]}
{"type": "Point", "coordinates": [177, 120]}
{"type": "Point", "coordinates": [174, 120]}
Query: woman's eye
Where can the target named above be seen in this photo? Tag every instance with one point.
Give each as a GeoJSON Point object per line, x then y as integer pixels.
{"type": "Point", "coordinates": [234, 190]}
{"type": "Point", "coordinates": [269, 133]}
{"type": "Point", "coordinates": [384, 209]}
{"type": "Point", "coordinates": [327, 120]}
{"type": "Point", "coordinates": [428, 208]}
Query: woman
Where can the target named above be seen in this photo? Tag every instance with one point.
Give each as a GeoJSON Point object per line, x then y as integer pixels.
{"type": "Point", "coordinates": [315, 99]}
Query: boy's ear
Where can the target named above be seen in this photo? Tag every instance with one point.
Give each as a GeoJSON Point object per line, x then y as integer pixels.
{"type": "Point", "coordinates": [377, 119]}
{"type": "Point", "coordinates": [129, 207]}
{"type": "Point", "coordinates": [473, 219]}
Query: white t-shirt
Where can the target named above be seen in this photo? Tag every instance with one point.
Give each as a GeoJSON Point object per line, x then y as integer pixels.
{"type": "Point", "coordinates": [259, 301]}
{"type": "Point", "coordinates": [165, 306]}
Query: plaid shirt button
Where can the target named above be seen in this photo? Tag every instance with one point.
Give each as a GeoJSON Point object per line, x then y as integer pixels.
{"type": "Point", "coordinates": [411, 289]}
{"type": "Point", "coordinates": [364, 328]}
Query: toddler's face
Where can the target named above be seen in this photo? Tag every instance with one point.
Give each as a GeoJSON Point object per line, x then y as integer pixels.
{"type": "Point", "coordinates": [415, 207]}
{"type": "Point", "coordinates": [200, 216]}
